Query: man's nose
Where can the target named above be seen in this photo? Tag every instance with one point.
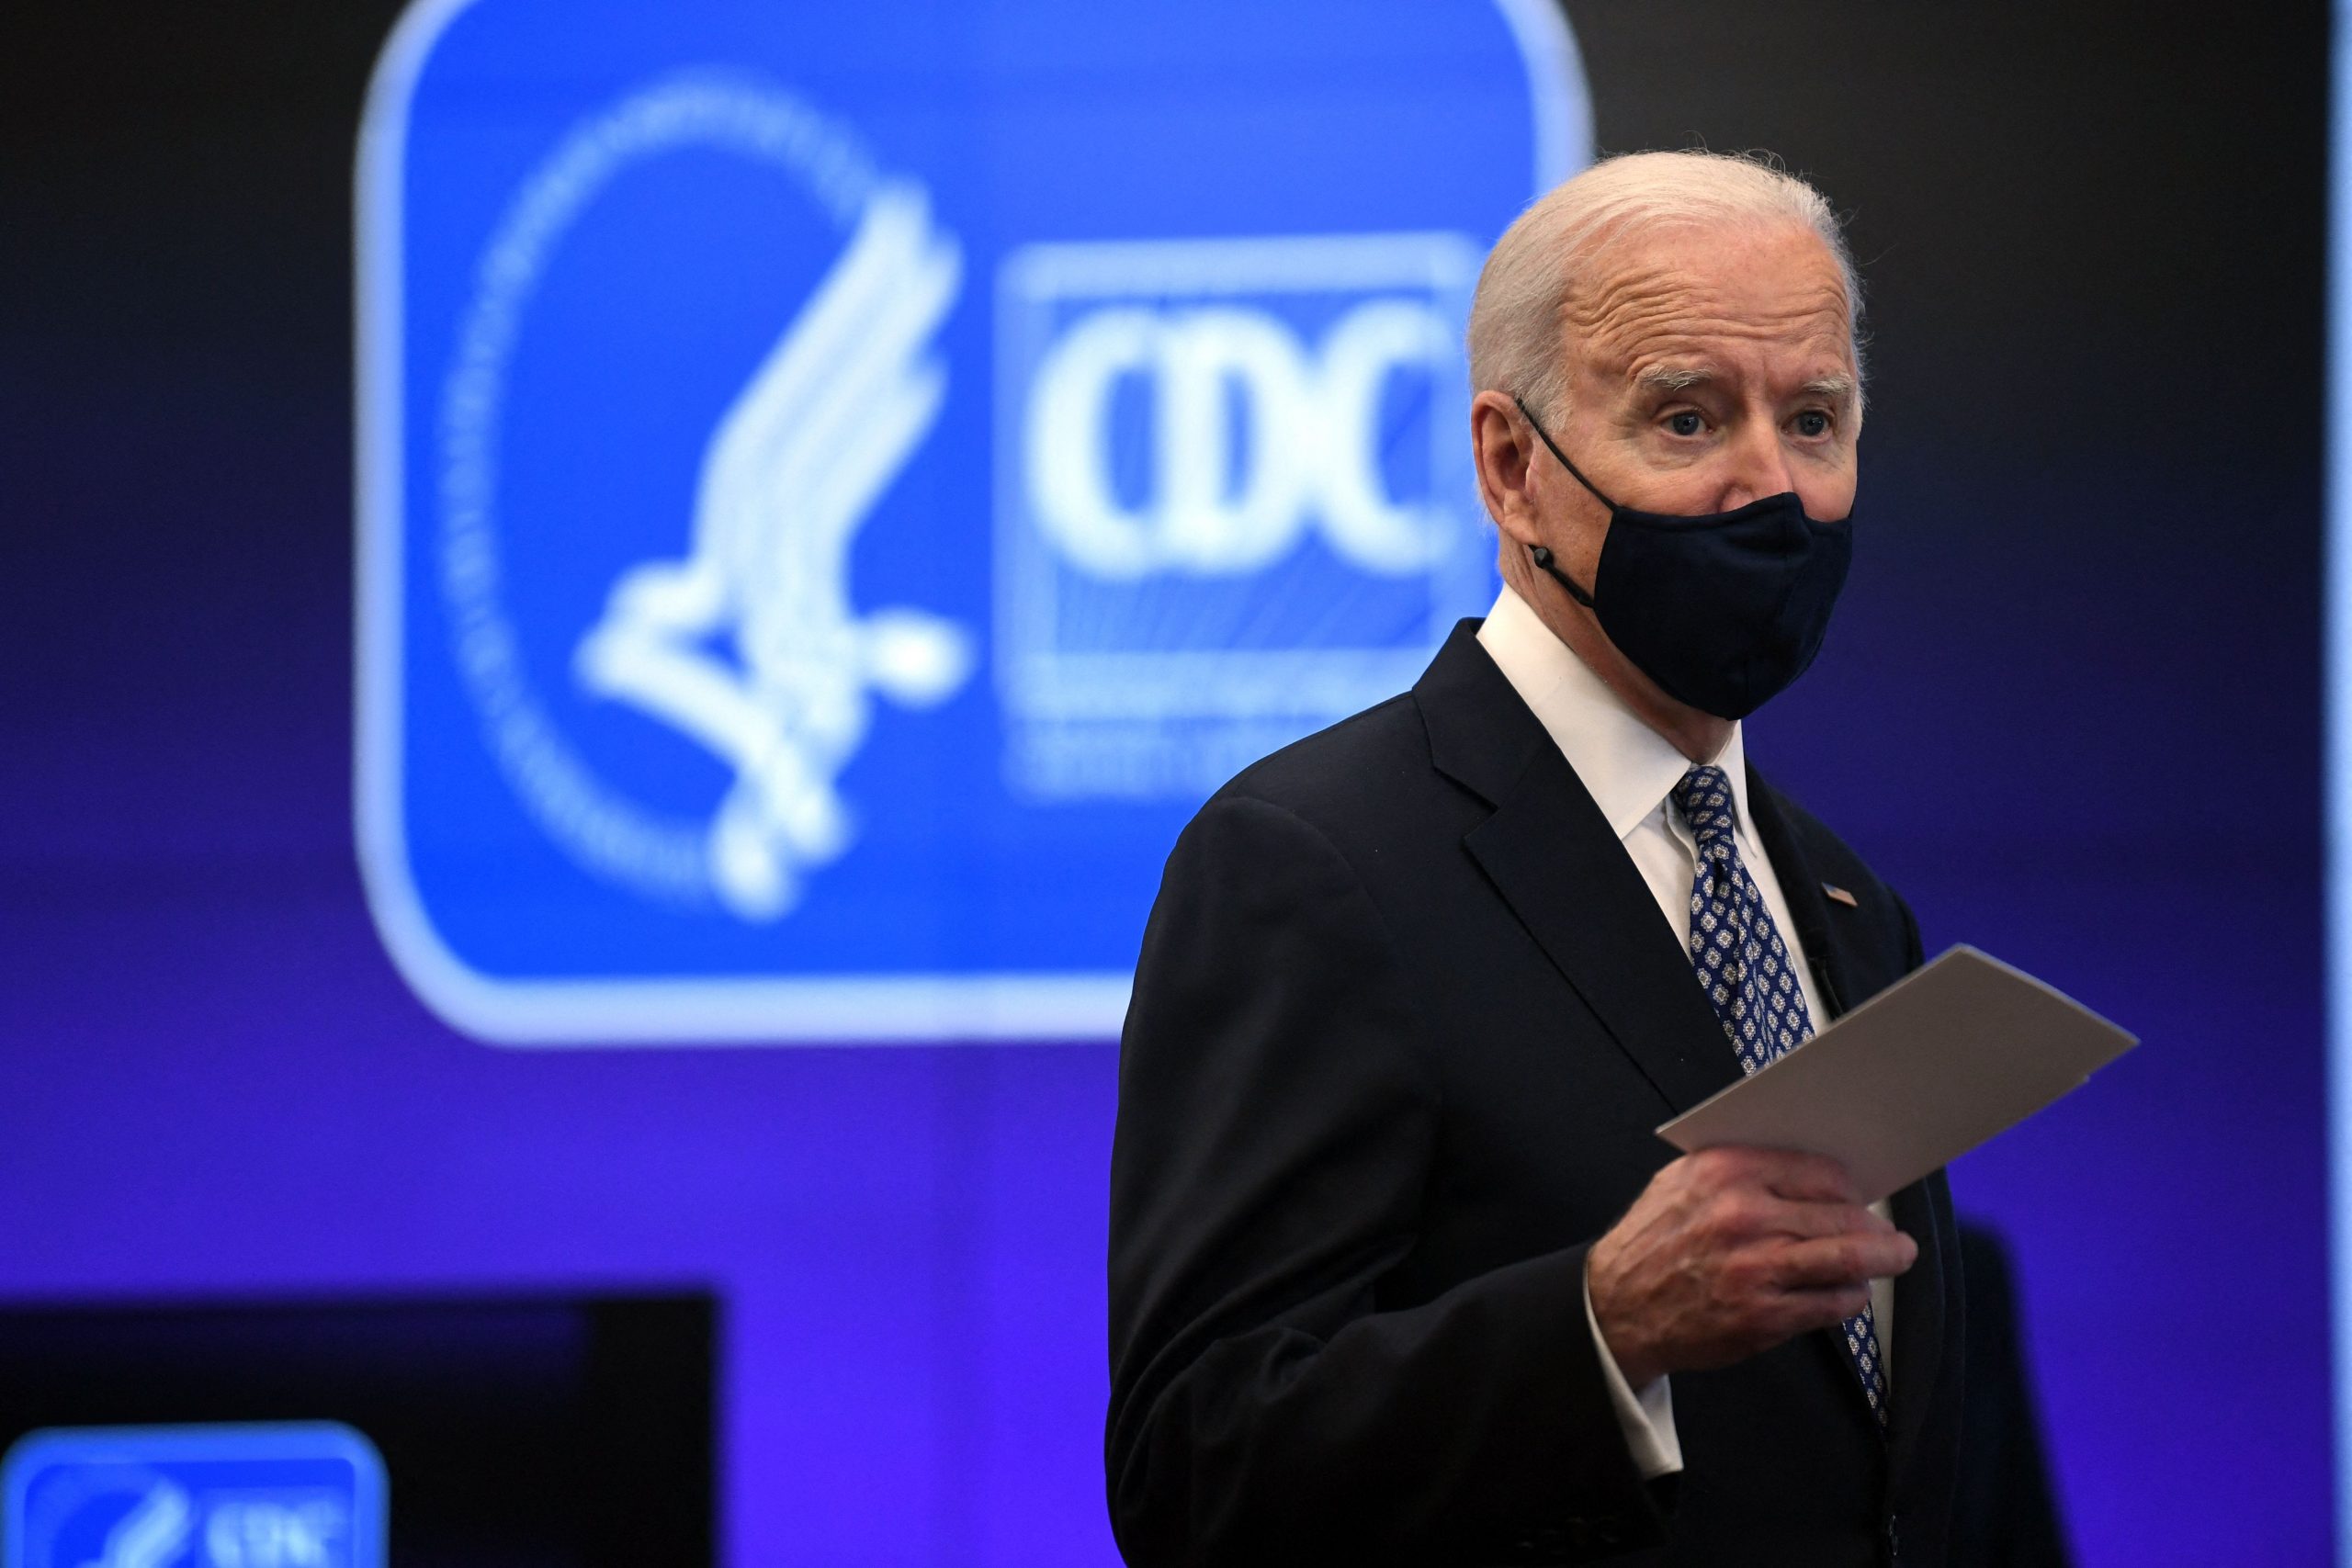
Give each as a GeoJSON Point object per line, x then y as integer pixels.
{"type": "Point", "coordinates": [1759, 466]}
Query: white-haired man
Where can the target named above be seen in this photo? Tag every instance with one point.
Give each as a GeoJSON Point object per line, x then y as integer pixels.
{"type": "Point", "coordinates": [1399, 1271]}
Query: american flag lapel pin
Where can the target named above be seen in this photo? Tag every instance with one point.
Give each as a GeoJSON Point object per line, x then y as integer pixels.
{"type": "Point", "coordinates": [1840, 894]}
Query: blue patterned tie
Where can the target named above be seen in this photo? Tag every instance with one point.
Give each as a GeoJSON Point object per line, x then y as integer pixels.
{"type": "Point", "coordinates": [1751, 981]}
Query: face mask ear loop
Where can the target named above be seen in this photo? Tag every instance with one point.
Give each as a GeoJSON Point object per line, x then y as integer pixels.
{"type": "Point", "coordinates": [1542, 557]}
{"type": "Point", "coordinates": [1553, 447]}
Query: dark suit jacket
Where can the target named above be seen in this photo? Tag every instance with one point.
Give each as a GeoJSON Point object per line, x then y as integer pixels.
{"type": "Point", "coordinates": [1405, 1018]}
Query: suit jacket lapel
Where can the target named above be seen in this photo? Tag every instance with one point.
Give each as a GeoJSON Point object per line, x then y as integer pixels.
{"type": "Point", "coordinates": [1827, 935]}
{"type": "Point", "coordinates": [1554, 858]}
{"type": "Point", "coordinates": [1808, 907]}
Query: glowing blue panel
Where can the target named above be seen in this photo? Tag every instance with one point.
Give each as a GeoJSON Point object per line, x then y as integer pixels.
{"type": "Point", "coordinates": [2339, 756]}
{"type": "Point", "coordinates": [842, 482]}
{"type": "Point", "coordinates": [295, 1495]}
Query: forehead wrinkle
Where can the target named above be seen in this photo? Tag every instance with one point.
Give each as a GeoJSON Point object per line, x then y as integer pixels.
{"type": "Point", "coordinates": [1698, 259]}
{"type": "Point", "coordinates": [1649, 310]}
{"type": "Point", "coordinates": [1683, 316]}
{"type": "Point", "coordinates": [1664, 348]}
{"type": "Point", "coordinates": [1586, 307]}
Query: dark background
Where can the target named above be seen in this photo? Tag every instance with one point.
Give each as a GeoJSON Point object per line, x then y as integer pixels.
{"type": "Point", "coordinates": [2071, 708]}
{"type": "Point", "coordinates": [512, 1430]}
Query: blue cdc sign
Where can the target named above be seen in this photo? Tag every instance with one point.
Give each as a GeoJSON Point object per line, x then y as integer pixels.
{"type": "Point", "coordinates": [839, 482]}
{"type": "Point", "coordinates": [302, 1494]}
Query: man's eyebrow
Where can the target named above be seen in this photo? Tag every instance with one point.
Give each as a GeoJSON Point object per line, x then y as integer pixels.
{"type": "Point", "coordinates": [1674, 378]}
{"type": "Point", "coordinates": [1837, 387]}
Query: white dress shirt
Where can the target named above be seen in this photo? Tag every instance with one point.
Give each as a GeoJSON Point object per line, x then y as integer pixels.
{"type": "Point", "coordinates": [1631, 771]}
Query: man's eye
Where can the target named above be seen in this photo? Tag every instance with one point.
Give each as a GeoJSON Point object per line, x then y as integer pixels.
{"type": "Point", "coordinates": [1812, 423]}
{"type": "Point", "coordinates": [1686, 422]}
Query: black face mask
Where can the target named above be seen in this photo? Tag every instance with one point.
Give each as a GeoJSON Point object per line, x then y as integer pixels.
{"type": "Point", "coordinates": [1723, 610]}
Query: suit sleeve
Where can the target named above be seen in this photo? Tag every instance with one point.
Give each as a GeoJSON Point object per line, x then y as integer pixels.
{"type": "Point", "coordinates": [1273, 1157]}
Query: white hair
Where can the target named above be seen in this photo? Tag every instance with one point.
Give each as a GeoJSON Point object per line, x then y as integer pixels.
{"type": "Point", "coordinates": [1515, 318]}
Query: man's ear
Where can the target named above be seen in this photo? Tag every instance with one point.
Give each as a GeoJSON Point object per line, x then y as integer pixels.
{"type": "Point", "coordinates": [1502, 448]}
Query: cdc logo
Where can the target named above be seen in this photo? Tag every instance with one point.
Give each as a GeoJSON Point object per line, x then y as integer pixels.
{"type": "Point", "coordinates": [1198, 433]}
{"type": "Point", "coordinates": [835, 494]}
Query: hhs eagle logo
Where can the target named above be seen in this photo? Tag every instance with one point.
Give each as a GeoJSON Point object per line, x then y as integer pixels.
{"type": "Point", "coordinates": [748, 645]}
{"type": "Point", "coordinates": [838, 487]}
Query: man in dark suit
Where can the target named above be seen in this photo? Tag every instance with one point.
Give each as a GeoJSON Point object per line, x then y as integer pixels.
{"type": "Point", "coordinates": [1399, 1271]}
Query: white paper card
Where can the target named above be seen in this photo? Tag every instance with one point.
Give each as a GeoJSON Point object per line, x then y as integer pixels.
{"type": "Point", "coordinates": [1937, 1063]}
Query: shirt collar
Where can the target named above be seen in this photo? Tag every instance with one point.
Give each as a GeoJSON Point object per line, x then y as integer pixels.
{"type": "Point", "coordinates": [1629, 768]}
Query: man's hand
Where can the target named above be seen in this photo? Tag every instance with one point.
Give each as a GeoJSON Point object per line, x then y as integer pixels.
{"type": "Point", "coordinates": [1730, 1251]}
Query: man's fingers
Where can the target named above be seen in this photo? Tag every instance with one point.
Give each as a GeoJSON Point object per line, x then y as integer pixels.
{"type": "Point", "coordinates": [1807, 1222]}
{"type": "Point", "coordinates": [1807, 1178]}
{"type": "Point", "coordinates": [1742, 1247]}
{"type": "Point", "coordinates": [1784, 1173]}
{"type": "Point", "coordinates": [1828, 1262]}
